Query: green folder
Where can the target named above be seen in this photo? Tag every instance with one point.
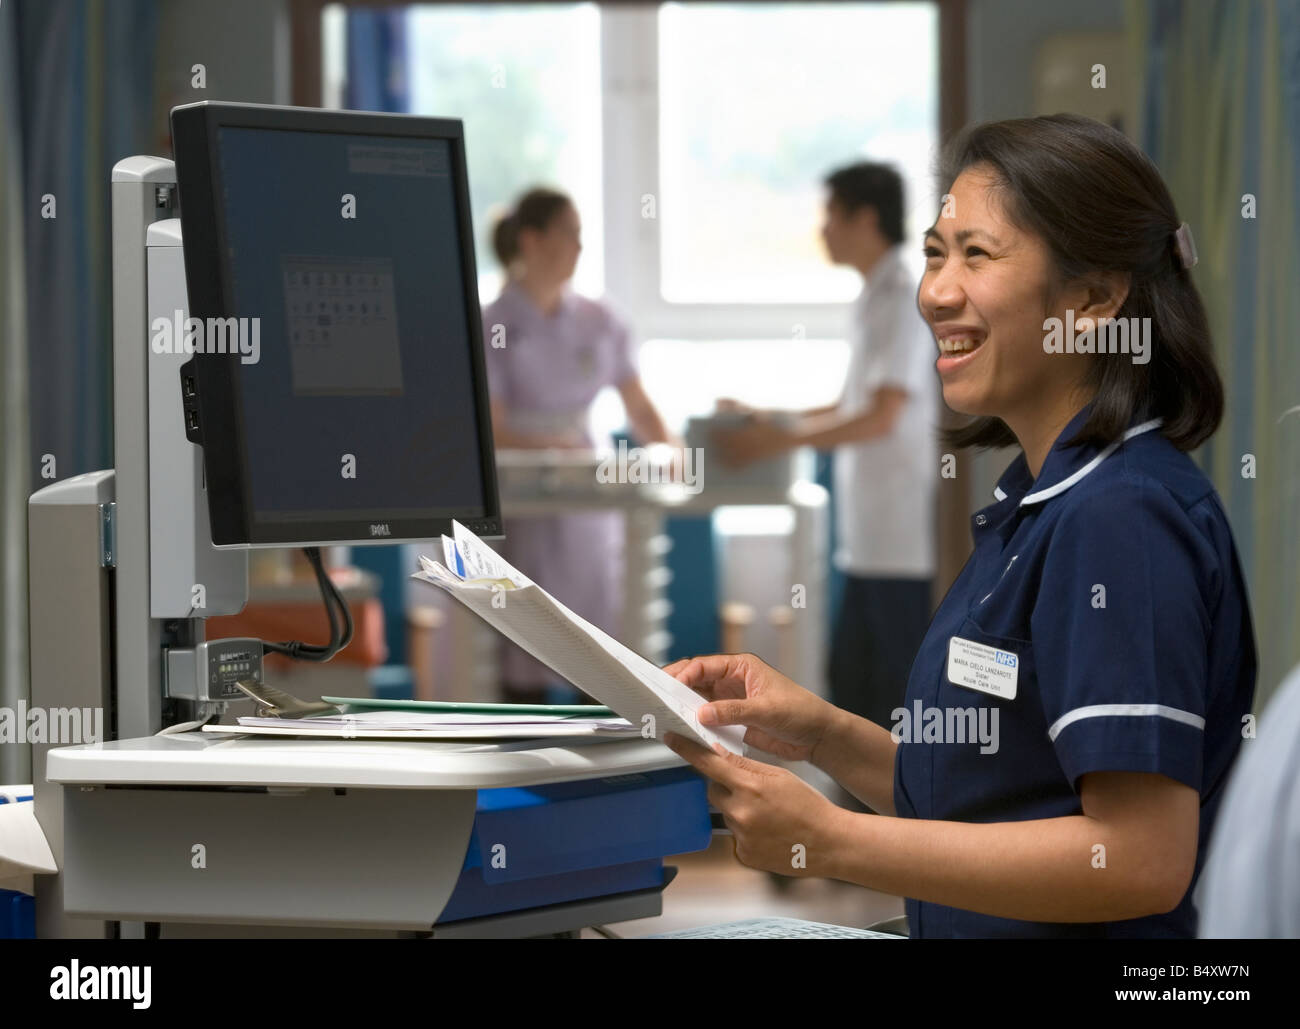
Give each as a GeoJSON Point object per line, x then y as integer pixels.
{"type": "Point", "coordinates": [348, 704]}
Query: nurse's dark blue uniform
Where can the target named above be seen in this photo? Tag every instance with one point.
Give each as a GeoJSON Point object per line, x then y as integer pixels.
{"type": "Point", "coordinates": [1113, 580]}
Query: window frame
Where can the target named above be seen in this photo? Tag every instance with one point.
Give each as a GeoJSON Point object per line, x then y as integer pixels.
{"type": "Point", "coordinates": [633, 244]}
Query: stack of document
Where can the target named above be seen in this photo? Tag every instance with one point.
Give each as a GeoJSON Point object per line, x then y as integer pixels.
{"type": "Point", "coordinates": [650, 699]}
{"type": "Point", "coordinates": [421, 725]}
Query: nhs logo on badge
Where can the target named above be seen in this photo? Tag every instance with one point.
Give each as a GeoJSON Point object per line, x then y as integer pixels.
{"type": "Point", "coordinates": [977, 666]}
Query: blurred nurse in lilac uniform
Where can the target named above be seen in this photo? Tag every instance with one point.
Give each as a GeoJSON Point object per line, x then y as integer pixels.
{"type": "Point", "coordinates": [559, 350]}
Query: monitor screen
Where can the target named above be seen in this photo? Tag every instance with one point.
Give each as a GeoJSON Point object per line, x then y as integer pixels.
{"type": "Point", "coordinates": [354, 406]}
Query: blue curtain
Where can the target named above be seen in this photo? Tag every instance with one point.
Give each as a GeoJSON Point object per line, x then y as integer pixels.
{"type": "Point", "coordinates": [85, 74]}
{"type": "Point", "coordinates": [14, 481]}
{"type": "Point", "coordinates": [377, 77]}
{"type": "Point", "coordinates": [76, 89]}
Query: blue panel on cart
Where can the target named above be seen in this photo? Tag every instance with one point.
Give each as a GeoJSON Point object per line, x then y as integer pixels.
{"type": "Point", "coordinates": [568, 841]}
{"type": "Point", "coordinates": [474, 898]}
{"type": "Point", "coordinates": [17, 916]}
{"type": "Point", "coordinates": [568, 827]}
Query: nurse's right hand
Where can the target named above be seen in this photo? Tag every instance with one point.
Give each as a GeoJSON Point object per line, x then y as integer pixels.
{"type": "Point", "coordinates": [781, 716]}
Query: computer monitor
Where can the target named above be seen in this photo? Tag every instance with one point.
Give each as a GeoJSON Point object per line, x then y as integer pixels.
{"type": "Point", "coordinates": [338, 387]}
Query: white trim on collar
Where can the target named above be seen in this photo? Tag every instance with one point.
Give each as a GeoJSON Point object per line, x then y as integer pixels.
{"type": "Point", "coordinates": [1051, 491]}
{"type": "Point", "coordinates": [1066, 483]}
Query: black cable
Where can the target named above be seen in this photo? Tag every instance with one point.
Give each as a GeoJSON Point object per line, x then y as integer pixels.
{"type": "Point", "coordinates": [340, 603]}
{"type": "Point", "coordinates": [325, 584]}
{"type": "Point", "coordinates": [341, 626]}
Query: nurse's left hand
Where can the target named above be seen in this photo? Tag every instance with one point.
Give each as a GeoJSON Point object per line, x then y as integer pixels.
{"type": "Point", "coordinates": [757, 439]}
{"type": "Point", "coordinates": [780, 823]}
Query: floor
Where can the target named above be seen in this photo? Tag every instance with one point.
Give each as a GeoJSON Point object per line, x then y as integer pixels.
{"type": "Point", "coordinates": [712, 887]}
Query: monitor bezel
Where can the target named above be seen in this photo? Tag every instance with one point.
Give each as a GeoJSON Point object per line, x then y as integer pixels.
{"type": "Point", "coordinates": [218, 401]}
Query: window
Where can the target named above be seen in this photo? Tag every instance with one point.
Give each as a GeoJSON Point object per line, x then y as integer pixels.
{"type": "Point", "coordinates": [756, 103]}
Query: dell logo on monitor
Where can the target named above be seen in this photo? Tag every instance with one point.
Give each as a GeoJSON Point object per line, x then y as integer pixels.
{"type": "Point", "coordinates": [380, 529]}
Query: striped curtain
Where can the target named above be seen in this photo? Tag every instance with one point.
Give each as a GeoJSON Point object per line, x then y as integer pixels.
{"type": "Point", "coordinates": [14, 480]}
{"type": "Point", "coordinates": [1221, 117]}
{"type": "Point", "coordinates": [76, 96]}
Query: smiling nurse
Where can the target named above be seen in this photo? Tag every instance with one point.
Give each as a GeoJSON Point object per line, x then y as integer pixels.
{"type": "Point", "coordinates": [1099, 636]}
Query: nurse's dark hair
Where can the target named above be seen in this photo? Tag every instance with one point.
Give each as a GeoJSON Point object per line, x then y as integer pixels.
{"type": "Point", "coordinates": [535, 209]}
{"type": "Point", "coordinates": [869, 184]}
{"type": "Point", "coordinates": [1101, 206]}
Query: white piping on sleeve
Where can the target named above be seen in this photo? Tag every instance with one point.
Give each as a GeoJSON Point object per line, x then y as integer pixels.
{"type": "Point", "coordinates": [1130, 710]}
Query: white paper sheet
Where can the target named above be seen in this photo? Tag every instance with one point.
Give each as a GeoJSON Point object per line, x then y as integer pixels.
{"type": "Point", "coordinates": [644, 694]}
{"type": "Point", "coordinates": [417, 725]}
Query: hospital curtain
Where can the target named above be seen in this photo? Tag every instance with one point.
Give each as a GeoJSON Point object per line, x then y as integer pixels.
{"type": "Point", "coordinates": [1220, 116]}
{"type": "Point", "coordinates": [77, 82]}
{"type": "Point", "coordinates": [377, 78]}
{"type": "Point", "coordinates": [13, 400]}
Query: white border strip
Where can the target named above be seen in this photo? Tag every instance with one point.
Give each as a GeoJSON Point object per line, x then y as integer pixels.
{"type": "Point", "coordinates": [1113, 710]}
{"type": "Point", "coordinates": [1065, 484]}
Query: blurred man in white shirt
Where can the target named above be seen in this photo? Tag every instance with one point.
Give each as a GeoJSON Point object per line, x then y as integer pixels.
{"type": "Point", "coordinates": [882, 434]}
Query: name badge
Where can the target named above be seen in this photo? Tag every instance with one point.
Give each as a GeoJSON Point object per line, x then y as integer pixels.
{"type": "Point", "coordinates": [983, 668]}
